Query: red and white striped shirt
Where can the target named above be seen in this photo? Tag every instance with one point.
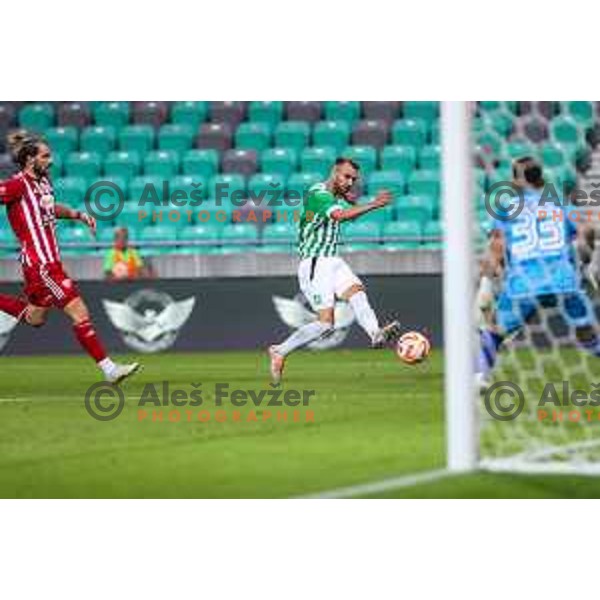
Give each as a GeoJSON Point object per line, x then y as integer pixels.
{"type": "Point", "coordinates": [30, 210]}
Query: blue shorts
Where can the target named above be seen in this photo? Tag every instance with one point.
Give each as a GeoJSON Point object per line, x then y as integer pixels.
{"type": "Point", "coordinates": [576, 308]}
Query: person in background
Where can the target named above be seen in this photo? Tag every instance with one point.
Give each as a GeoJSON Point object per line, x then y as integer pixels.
{"type": "Point", "coordinates": [122, 260]}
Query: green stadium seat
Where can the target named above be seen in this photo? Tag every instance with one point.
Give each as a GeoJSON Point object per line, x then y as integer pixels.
{"type": "Point", "coordinates": [518, 149]}
{"type": "Point", "coordinates": [433, 229]}
{"type": "Point", "coordinates": [189, 112]}
{"type": "Point", "coordinates": [392, 181]}
{"type": "Point", "coordinates": [130, 217]}
{"type": "Point", "coordinates": [83, 164]}
{"type": "Point", "coordinates": [56, 168]}
{"type": "Point", "coordinates": [490, 142]}
{"type": "Point", "coordinates": [426, 110]}
{"type": "Point", "coordinates": [136, 138]}
{"type": "Point", "coordinates": [499, 105]}
{"type": "Point", "coordinates": [74, 235]}
{"type": "Point", "coordinates": [552, 155]}
{"type": "Point", "coordinates": [70, 190]}
{"type": "Point", "coordinates": [298, 184]}
{"type": "Point", "coordinates": [435, 136]}
{"type": "Point", "coordinates": [318, 159]}
{"type": "Point", "coordinates": [565, 130]}
{"type": "Point", "coordinates": [36, 117]}
{"type": "Point", "coordinates": [399, 158]}
{"type": "Point", "coordinates": [121, 182]}
{"type": "Point", "coordinates": [163, 163]}
{"type": "Point", "coordinates": [263, 187]}
{"type": "Point", "coordinates": [97, 139]}
{"type": "Point", "coordinates": [144, 196]}
{"type": "Point", "coordinates": [227, 187]}
{"type": "Point", "coordinates": [348, 111]}
{"type": "Point", "coordinates": [416, 208]}
{"type": "Point", "coordinates": [111, 114]}
{"type": "Point", "coordinates": [331, 133]}
{"type": "Point", "coordinates": [241, 232]}
{"type": "Point", "coordinates": [269, 112]}
{"type": "Point", "coordinates": [410, 230]}
{"type": "Point", "coordinates": [381, 215]}
{"type": "Point", "coordinates": [204, 163]}
{"type": "Point", "coordinates": [365, 156]}
{"type": "Point", "coordinates": [195, 187]}
{"type": "Point", "coordinates": [425, 183]}
{"type": "Point", "coordinates": [499, 122]}
{"type": "Point", "coordinates": [282, 161]}
{"type": "Point", "coordinates": [205, 232]}
{"type": "Point", "coordinates": [409, 132]}
{"type": "Point", "coordinates": [157, 233]}
{"type": "Point", "coordinates": [430, 157]}
{"type": "Point", "coordinates": [253, 136]}
{"type": "Point", "coordinates": [280, 233]}
{"type": "Point", "coordinates": [361, 230]}
{"type": "Point", "coordinates": [62, 140]}
{"type": "Point", "coordinates": [177, 137]}
{"type": "Point", "coordinates": [581, 111]}
{"type": "Point", "coordinates": [122, 164]}
{"type": "Point", "coordinates": [292, 134]}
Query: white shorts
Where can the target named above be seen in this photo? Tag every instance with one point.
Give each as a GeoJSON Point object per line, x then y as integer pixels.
{"type": "Point", "coordinates": [331, 278]}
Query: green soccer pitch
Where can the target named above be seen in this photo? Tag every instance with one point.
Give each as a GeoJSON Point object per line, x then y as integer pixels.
{"type": "Point", "coordinates": [374, 418]}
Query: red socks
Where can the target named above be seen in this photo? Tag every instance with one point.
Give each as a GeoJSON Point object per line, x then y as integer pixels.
{"type": "Point", "coordinates": [87, 337]}
{"type": "Point", "coordinates": [12, 305]}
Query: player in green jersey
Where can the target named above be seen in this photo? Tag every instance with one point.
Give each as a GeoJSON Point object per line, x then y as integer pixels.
{"type": "Point", "coordinates": [323, 276]}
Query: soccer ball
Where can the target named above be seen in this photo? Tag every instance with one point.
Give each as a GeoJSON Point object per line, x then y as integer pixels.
{"type": "Point", "coordinates": [413, 347]}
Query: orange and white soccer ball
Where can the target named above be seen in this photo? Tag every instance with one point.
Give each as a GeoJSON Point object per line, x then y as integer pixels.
{"type": "Point", "coordinates": [413, 347]}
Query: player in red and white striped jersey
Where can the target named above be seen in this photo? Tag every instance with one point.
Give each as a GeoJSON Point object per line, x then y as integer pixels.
{"type": "Point", "coordinates": [32, 214]}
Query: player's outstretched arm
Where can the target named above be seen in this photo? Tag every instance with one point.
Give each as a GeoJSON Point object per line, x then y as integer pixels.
{"type": "Point", "coordinates": [65, 212]}
{"type": "Point", "coordinates": [382, 199]}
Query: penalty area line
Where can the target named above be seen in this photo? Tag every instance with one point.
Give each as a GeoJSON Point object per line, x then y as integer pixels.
{"type": "Point", "coordinates": [384, 485]}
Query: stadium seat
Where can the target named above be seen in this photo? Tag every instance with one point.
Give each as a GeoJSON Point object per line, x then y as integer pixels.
{"type": "Point", "coordinates": [298, 184]}
{"type": "Point", "coordinates": [387, 111]}
{"type": "Point", "coordinates": [70, 190]}
{"type": "Point", "coordinates": [268, 189]}
{"type": "Point", "coordinates": [226, 187]}
{"type": "Point", "coordinates": [175, 137]}
{"type": "Point", "coordinates": [495, 105]}
{"type": "Point", "coordinates": [580, 111]}
{"type": "Point", "coordinates": [292, 134]}
{"type": "Point", "coordinates": [392, 181]}
{"type": "Point", "coordinates": [409, 132]}
{"type": "Point", "coordinates": [410, 231]}
{"type": "Point", "coordinates": [318, 159]}
{"type": "Point", "coordinates": [244, 162]}
{"type": "Point", "coordinates": [303, 110]}
{"type": "Point", "coordinates": [214, 136]}
{"type": "Point", "coordinates": [426, 110]}
{"type": "Point", "coordinates": [163, 163]}
{"type": "Point", "coordinates": [565, 130]}
{"type": "Point", "coordinates": [365, 156]}
{"type": "Point", "coordinates": [73, 114]}
{"type": "Point", "coordinates": [136, 138]}
{"type": "Point", "coordinates": [150, 112]}
{"type": "Point", "coordinates": [62, 140]}
{"type": "Point", "coordinates": [83, 164]}
{"type": "Point", "coordinates": [518, 149]}
{"type": "Point", "coordinates": [240, 232]}
{"type": "Point", "coordinates": [253, 136]}
{"type": "Point", "coordinates": [112, 114]}
{"type": "Point", "coordinates": [535, 129]}
{"type": "Point", "coordinates": [56, 168]}
{"type": "Point", "coordinates": [37, 117]}
{"type": "Point", "coordinates": [489, 142]}
{"type": "Point", "coordinates": [433, 229]}
{"type": "Point", "coordinates": [552, 155]}
{"type": "Point", "coordinates": [331, 133]}
{"type": "Point", "coordinates": [347, 111]}
{"type": "Point", "coordinates": [424, 183]}
{"type": "Point", "coordinates": [282, 161]}
{"type": "Point", "coordinates": [430, 157]}
{"type": "Point", "coordinates": [265, 112]}
{"type": "Point", "coordinates": [361, 231]}
{"type": "Point", "coordinates": [435, 136]}
{"type": "Point", "coordinates": [130, 217]}
{"type": "Point", "coordinates": [500, 122]}
{"type": "Point", "coordinates": [100, 140]}
{"type": "Point", "coordinates": [546, 108]}
{"type": "Point", "coordinates": [420, 209]}
{"type": "Point", "coordinates": [156, 233]}
{"type": "Point", "coordinates": [370, 133]}
{"type": "Point", "coordinates": [204, 163]}
{"type": "Point", "coordinates": [205, 232]}
{"type": "Point", "coordinates": [144, 189]}
{"type": "Point", "coordinates": [73, 235]}
{"type": "Point", "coordinates": [122, 164]}
{"type": "Point", "coordinates": [280, 233]}
{"type": "Point", "coordinates": [398, 158]}
{"type": "Point", "coordinates": [189, 184]}
{"type": "Point", "coordinates": [189, 112]}
{"type": "Point", "coordinates": [225, 111]}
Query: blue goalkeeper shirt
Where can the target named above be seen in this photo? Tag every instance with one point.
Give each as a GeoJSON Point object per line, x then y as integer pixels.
{"type": "Point", "coordinates": [539, 252]}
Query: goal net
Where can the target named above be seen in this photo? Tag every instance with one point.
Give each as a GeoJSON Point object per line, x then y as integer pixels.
{"type": "Point", "coordinates": [538, 409]}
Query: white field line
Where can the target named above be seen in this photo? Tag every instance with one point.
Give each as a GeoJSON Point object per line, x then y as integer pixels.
{"type": "Point", "coordinates": [384, 485]}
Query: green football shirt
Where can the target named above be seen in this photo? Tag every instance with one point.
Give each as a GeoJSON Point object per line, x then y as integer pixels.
{"type": "Point", "coordinates": [319, 234]}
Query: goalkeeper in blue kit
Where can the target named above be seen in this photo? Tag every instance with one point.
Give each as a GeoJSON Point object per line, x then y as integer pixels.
{"type": "Point", "coordinates": [536, 256]}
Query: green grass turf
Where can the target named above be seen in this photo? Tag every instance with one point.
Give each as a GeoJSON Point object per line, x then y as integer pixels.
{"type": "Point", "coordinates": [374, 418]}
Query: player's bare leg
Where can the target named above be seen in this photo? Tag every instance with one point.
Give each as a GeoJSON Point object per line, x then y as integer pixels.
{"type": "Point", "coordinates": [356, 296]}
{"type": "Point", "coordinates": [301, 337]}
{"type": "Point", "coordinates": [86, 335]}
